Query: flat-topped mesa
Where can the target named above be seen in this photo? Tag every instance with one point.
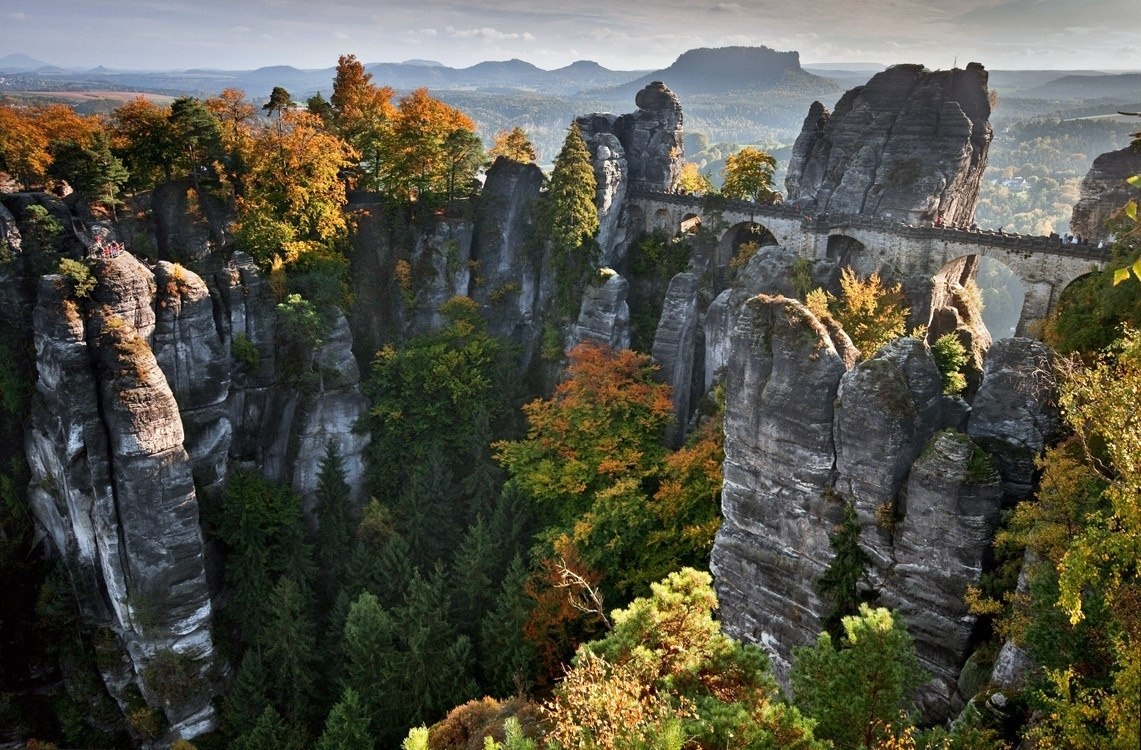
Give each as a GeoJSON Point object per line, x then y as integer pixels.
{"type": "Point", "coordinates": [909, 145]}
{"type": "Point", "coordinates": [1104, 191]}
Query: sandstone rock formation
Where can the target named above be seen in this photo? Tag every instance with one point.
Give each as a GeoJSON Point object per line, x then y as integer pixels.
{"type": "Point", "coordinates": [911, 144]}
{"type": "Point", "coordinates": [604, 315]}
{"type": "Point", "coordinates": [641, 150]}
{"type": "Point", "coordinates": [112, 487]}
{"type": "Point", "coordinates": [1015, 412]}
{"type": "Point", "coordinates": [675, 346]}
{"type": "Point", "coordinates": [1104, 191]}
{"type": "Point", "coordinates": [807, 430]}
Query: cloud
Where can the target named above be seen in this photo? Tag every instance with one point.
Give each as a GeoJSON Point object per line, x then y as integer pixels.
{"type": "Point", "coordinates": [727, 7]}
{"type": "Point", "coordinates": [18, 16]}
{"type": "Point", "coordinates": [489, 34]}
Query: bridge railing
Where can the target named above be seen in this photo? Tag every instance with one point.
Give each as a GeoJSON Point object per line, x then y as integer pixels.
{"type": "Point", "coordinates": [829, 222]}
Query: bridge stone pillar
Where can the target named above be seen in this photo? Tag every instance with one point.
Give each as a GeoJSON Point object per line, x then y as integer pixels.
{"type": "Point", "coordinates": [1036, 308]}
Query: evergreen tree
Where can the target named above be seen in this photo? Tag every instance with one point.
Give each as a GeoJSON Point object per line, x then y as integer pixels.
{"type": "Point", "coordinates": [510, 523]}
{"type": "Point", "coordinates": [247, 698]}
{"type": "Point", "coordinates": [506, 658]}
{"type": "Point", "coordinates": [428, 507]}
{"type": "Point", "coordinates": [90, 168]}
{"type": "Point", "coordinates": [369, 658]}
{"type": "Point", "coordinates": [335, 523]}
{"type": "Point", "coordinates": [475, 574]}
{"type": "Point", "coordinates": [435, 673]}
{"type": "Point", "coordinates": [572, 217]}
{"type": "Point", "coordinates": [855, 691]}
{"type": "Point", "coordinates": [843, 583]}
{"type": "Point", "coordinates": [347, 726]}
{"type": "Point", "coordinates": [271, 733]}
{"type": "Point", "coordinates": [289, 648]}
{"type": "Point", "coordinates": [279, 101]}
{"type": "Point", "coordinates": [198, 137]}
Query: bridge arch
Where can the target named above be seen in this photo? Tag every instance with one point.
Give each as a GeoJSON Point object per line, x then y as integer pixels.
{"type": "Point", "coordinates": [739, 234]}
{"type": "Point", "coordinates": [690, 224]}
{"type": "Point", "coordinates": [970, 282]}
{"type": "Point", "coordinates": [661, 221]}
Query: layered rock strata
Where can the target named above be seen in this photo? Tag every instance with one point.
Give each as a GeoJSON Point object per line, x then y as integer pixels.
{"type": "Point", "coordinates": [808, 430]}
{"type": "Point", "coordinates": [910, 145]}
{"type": "Point", "coordinates": [1104, 191]}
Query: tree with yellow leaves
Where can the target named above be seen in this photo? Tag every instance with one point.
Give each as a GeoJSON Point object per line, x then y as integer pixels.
{"type": "Point", "coordinates": [692, 180]}
{"type": "Point", "coordinates": [430, 149]}
{"type": "Point", "coordinates": [872, 313]}
{"type": "Point", "coordinates": [749, 176]}
{"type": "Point", "coordinates": [362, 115]}
{"type": "Point", "coordinates": [514, 145]}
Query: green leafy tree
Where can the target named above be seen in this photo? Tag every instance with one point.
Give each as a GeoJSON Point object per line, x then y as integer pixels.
{"type": "Point", "coordinates": [950, 357]}
{"type": "Point", "coordinates": [749, 176]}
{"type": "Point", "coordinates": [197, 136]}
{"type": "Point", "coordinates": [347, 727]}
{"type": "Point", "coordinates": [667, 671]}
{"type": "Point", "coordinates": [845, 582]}
{"type": "Point", "coordinates": [571, 218]}
{"type": "Point", "coordinates": [279, 101]}
{"type": "Point", "coordinates": [90, 168]}
{"type": "Point", "coordinates": [856, 691]}
{"type": "Point", "coordinates": [145, 139]}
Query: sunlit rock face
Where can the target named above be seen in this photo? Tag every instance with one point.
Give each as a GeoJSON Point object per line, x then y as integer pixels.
{"type": "Point", "coordinates": [911, 144]}
{"type": "Point", "coordinates": [1104, 191]}
{"type": "Point", "coordinates": [807, 429]}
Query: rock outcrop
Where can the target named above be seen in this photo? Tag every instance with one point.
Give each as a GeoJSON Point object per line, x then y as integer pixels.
{"type": "Point", "coordinates": [910, 144]}
{"type": "Point", "coordinates": [604, 315]}
{"type": "Point", "coordinates": [808, 430]}
{"type": "Point", "coordinates": [675, 345]}
{"type": "Point", "coordinates": [1104, 191]}
{"type": "Point", "coordinates": [642, 150]}
{"type": "Point", "coordinates": [508, 282]}
{"type": "Point", "coordinates": [112, 486]}
{"type": "Point", "coordinates": [1015, 412]}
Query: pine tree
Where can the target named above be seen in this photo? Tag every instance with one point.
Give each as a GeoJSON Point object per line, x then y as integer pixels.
{"type": "Point", "coordinates": [347, 727]}
{"type": "Point", "coordinates": [572, 217]}
{"type": "Point", "coordinates": [247, 699]}
{"type": "Point", "coordinates": [370, 659]}
{"type": "Point", "coordinates": [843, 583]}
{"type": "Point", "coordinates": [335, 523]}
{"type": "Point", "coordinates": [506, 657]}
{"type": "Point", "coordinates": [271, 733]}
{"type": "Point", "coordinates": [289, 648]}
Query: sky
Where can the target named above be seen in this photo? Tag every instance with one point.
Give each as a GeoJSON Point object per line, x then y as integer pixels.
{"type": "Point", "coordinates": [620, 34]}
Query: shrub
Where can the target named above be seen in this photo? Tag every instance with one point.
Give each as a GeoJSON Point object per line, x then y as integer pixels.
{"type": "Point", "coordinates": [245, 351]}
{"type": "Point", "coordinates": [82, 282]}
{"type": "Point", "coordinates": [950, 357]}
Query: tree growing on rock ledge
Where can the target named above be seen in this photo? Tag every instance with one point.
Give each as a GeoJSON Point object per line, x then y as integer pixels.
{"type": "Point", "coordinates": [571, 217]}
{"type": "Point", "coordinates": [749, 176]}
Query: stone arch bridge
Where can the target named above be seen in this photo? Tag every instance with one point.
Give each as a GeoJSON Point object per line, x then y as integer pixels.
{"type": "Point", "coordinates": [1044, 265]}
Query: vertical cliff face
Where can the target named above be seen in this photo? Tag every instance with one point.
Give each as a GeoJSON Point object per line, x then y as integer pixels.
{"type": "Point", "coordinates": [807, 429]}
{"type": "Point", "coordinates": [150, 386]}
{"type": "Point", "coordinates": [112, 485]}
{"type": "Point", "coordinates": [638, 151]}
{"type": "Point", "coordinates": [911, 144]}
{"type": "Point", "coordinates": [1104, 191]}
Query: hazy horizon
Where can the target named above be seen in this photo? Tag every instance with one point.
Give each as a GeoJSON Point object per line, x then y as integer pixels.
{"type": "Point", "coordinates": [619, 34]}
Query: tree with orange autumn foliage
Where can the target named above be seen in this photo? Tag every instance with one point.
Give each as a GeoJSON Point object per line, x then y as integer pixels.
{"type": "Point", "coordinates": [594, 461]}
{"type": "Point", "coordinates": [431, 149]}
{"type": "Point", "coordinates": [27, 134]}
{"type": "Point", "coordinates": [292, 204]}
{"type": "Point", "coordinates": [362, 114]}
